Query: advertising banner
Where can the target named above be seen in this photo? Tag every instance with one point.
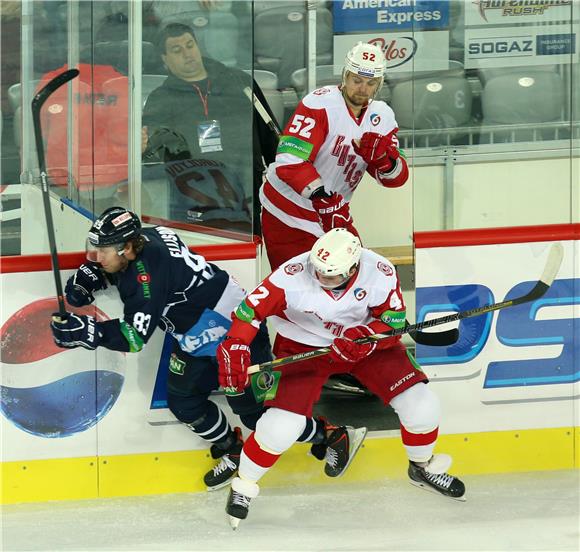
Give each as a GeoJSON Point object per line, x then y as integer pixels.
{"type": "Point", "coordinates": [510, 12]}
{"type": "Point", "coordinates": [520, 46]}
{"type": "Point", "coordinates": [520, 363]}
{"type": "Point", "coordinates": [394, 15]}
{"type": "Point", "coordinates": [58, 403]}
{"type": "Point", "coordinates": [404, 51]}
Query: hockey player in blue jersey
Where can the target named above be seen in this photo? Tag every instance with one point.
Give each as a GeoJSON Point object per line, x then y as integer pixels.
{"type": "Point", "coordinates": [162, 284]}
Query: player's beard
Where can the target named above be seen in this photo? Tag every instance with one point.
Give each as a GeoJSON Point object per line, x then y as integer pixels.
{"type": "Point", "coordinates": [356, 100]}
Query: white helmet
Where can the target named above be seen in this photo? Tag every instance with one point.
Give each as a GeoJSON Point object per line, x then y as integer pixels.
{"type": "Point", "coordinates": [365, 60]}
{"type": "Point", "coordinates": [335, 253]}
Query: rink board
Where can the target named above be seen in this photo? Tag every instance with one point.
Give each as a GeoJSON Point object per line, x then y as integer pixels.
{"type": "Point", "coordinates": [81, 424]}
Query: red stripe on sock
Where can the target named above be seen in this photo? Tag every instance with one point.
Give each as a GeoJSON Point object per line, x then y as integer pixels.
{"type": "Point", "coordinates": [418, 439]}
{"type": "Point", "coordinates": [258, 455]}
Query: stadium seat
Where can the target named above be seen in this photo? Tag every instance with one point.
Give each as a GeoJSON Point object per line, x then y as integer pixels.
{"type": "Point", "coordinates": [522, 96]}
{"type": "Point", "coordinates": [279, 41]}
{"type": "Point", "coordinates": [433, 101]}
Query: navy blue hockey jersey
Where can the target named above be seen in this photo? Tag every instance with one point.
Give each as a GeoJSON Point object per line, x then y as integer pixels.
{"type": "Point", "coordinates": [169, 287]}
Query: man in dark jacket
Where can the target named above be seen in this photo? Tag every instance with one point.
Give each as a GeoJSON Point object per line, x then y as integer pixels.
{"type": "Point", "coordinates": [199, 122]}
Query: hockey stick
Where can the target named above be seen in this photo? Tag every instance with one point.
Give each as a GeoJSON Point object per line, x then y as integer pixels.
{"type": "Point", "coordinates": [263, 112]}
{"type": "Point", "coordinates": [37, 103]}
{"type": "Point", "coordinates": [550, 270]}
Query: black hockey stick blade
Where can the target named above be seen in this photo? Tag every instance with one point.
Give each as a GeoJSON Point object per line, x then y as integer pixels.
{"type": "Point", "coordinates": [37, 103]}
{"type": "Point", "coordinates": [435, 339]}
{"type": "Point", "coordinates": [542, 285]}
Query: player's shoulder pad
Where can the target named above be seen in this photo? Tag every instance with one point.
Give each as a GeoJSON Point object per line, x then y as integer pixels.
{"type": "Point", "coordinates": [378, 263]}
{"type": "Point", "coordinates": [387, 121]}
{"type": "Point", "coordinates": [285, 273]}
{"type": "Point", "coordinates": [326, 97]}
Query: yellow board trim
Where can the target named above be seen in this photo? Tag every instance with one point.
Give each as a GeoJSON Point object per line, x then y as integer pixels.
{"type": "Point", "coordinates": [380, 458]}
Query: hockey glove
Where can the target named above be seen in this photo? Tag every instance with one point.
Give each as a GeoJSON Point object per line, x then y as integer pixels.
{"type": "Point", "coordinates": [76, 330]}
{"type": "Point", "coordinates": [344, 349]}
{"type": "Point", "coordinates": [81, 285]}
{"type": "Point", "coordinates": [379, 152]}
{"type": "Point", "coordinates": [234, 358]}
{"type": "Point", "coordinates": [333, 212]}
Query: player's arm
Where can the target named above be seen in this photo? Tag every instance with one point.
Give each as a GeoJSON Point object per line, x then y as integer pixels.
{"type": "Point", "coordinates": [389, 315]}
{"type": "Point", "coordinates": [143, 307]}
{"type": "Point", "coordinates": [233, 354]}
{"type": "Point", "coordinates": [299, 145]}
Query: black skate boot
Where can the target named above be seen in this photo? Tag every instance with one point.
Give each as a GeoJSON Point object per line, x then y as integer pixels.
{"type": "Point", "coordinates": [342, 444]}
{"type": "Point", "coordinates": [432, 478]}
{"type": "Point", "coordinates": [227, 468]}
{"type": "Point", "coordinates": [238, 505]}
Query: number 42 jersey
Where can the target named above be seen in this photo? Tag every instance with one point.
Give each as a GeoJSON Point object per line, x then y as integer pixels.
{"type": "Point", "coordinates": [301, 310]}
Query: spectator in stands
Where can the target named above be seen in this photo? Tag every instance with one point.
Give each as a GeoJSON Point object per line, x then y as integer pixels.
{"type": "Point", "coordinates": [202, 104]}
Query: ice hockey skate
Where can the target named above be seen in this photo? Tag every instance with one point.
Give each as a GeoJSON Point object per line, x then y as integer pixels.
{"type": "Point", "coordinates": [227, 468]}
{"type": "Point", "coordinates": [433, 477]}
{"type": "Point", "coordinates": [339, 448]}
{"type": "Point", "coordinates": [241, 493]}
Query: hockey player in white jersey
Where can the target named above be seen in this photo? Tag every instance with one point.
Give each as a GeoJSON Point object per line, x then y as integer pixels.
{"type": "Point", "coordinates": [335, 135]}
{"type": "Point", "coordinates": [329, 297]}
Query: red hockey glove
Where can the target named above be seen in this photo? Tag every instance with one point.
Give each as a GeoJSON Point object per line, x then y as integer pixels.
{"type": "Point", "coordinates": [344, 349]}
{"type": "Point", "coordinates": [380, 152]}
{"type": "Point", "coordinates": [333, 212]}
{"type": "Point", "coordinates": [234, 358]}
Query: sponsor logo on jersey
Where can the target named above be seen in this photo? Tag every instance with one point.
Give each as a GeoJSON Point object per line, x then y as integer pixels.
{"type": "Point", "coordinates": [385, 268]}
{"type": "Point", "coordinates": [395, 319]}
{"type": "Point", "coordinates": [359, 294]}
{"type": "Point", "coordinates": [375, 119]}
{"type": "Point", "coordinates": [144, 279]}
{"type": "Point", "coordinates": [295, 146]}
{"type": "Point", "coordinates": [294, 268]}
{"type": "Point", "coordinates": [518, 7]}
{"type": "Point", "coordinates": [244, 312]}
{"type": "Point", "coordinates": [321, 91]}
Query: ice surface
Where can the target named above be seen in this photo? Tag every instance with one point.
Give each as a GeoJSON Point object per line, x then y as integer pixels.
{"type": "Point", "coordinates": [532, 511]}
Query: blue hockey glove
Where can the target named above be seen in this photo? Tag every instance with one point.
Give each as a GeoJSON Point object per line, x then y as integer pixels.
{"type": "Point", "coordinates": [76, 330]}
{"type": "Point", "coordinates": [81, 285]}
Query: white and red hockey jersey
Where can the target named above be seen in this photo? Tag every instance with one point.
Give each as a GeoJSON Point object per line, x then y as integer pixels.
{"type": "Point", "coordinates": [317, 143]}
{"type": "Point", "coordinates": [301, 310]}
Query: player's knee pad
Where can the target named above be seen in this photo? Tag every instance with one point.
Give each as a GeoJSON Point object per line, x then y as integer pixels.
{"type": "Point", "coordinates": [418, 409]}
{"type": "Point", "coordinates": [277, 430]}
{"type": "Point", "coordinates": [187, 409]}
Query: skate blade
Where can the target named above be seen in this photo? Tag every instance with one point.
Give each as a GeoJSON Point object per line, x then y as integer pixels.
{"type": "Point", "coordinates": [234, 522]}
{"type": "Point", "coordinates": [356, 437]}
{"type": "Point", "coordinates": [432, 490]}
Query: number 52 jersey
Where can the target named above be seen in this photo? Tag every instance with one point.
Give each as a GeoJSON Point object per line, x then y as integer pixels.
{"type": "Point", "coordinates": [316, 143]}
